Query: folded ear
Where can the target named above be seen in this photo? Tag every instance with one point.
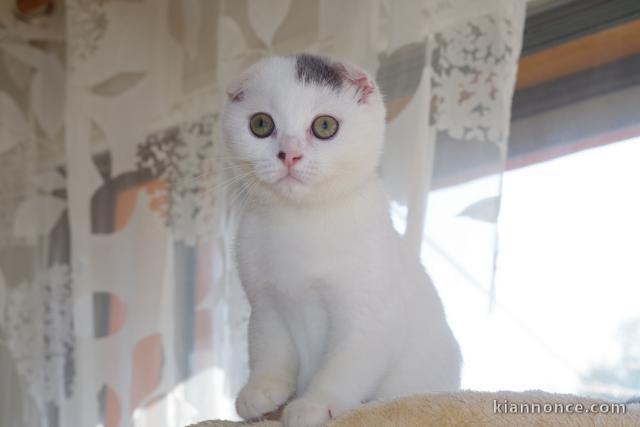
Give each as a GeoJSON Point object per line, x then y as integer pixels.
{"type": "Point", "coordinates": [235, 89]}
{"type": "Point", "coordinates": [364, 85]}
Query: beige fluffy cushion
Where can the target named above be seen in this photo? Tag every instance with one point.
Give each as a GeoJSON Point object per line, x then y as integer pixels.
{"type": "Point", "coordinates": [468, 408]}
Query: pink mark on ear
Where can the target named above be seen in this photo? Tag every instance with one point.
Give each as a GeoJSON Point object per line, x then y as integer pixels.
{"type": "Point", "coordinates": [236, 95]}
{"type": "Point", "coordinates": [364, 86]}
{"type": "Point", "coordinates": [235, 91]}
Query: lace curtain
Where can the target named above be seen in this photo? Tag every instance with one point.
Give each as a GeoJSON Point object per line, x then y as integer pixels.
{"type": "Point", "coordinates": [119, 303]}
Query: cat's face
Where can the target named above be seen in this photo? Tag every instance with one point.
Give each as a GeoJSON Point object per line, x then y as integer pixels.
{"type": "Point", "coordinates": [303, 128]}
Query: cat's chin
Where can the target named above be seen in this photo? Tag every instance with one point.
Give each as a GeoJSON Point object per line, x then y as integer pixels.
{"type": "Point", "coordinates": [290, 189]}
{"type": "Point", "coordinates": [293, 190]}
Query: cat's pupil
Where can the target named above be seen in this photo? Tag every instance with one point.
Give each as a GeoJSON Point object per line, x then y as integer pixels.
{"type": "Point", "coordinates": [325, 125]}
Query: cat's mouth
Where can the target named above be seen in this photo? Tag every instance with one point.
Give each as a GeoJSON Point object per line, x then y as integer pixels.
{"type": "Point", "coordinates": [290, 185]}
{"type": "Point", "coordinates": [288, 178]}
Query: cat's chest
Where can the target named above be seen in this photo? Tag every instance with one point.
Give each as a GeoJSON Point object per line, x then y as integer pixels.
{"type": "Point", "coordinates": [289, 252]}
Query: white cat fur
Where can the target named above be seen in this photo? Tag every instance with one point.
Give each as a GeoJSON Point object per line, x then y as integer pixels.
{"type": "Point", "coordinates": [341, 311]}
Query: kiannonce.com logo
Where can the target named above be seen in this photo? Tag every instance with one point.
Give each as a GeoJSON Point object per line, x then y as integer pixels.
{"type": "Point", "coordinates": [508, 407]}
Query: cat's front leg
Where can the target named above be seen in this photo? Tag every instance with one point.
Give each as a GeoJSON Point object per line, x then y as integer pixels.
{"type": "Point", "coordinates": [272, 362]}
{"type": "Point", "coordinates": [360, 346]}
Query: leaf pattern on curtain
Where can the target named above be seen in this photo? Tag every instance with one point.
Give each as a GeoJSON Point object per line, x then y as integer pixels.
{"type": "Point", "coordinates": [109, 407]}
{"type": "Point", "coordinates": [37, 322]}
{"type": "Point", "coordinates": [483, 210]}
{"type": "Point", "coordinates": [400, 74]}
{"type": "Point", "coordinates": [118, 292]}
{"type": "Point", "coordinates": [185, 159]}
{"type": "Point", "coordinates": [118, 84]}
{"type": "Point", "coordinates": [472, 70]}
{"type": "Point", "coordinates": [12, 122]}
{"type": "Point", "coordinates": [87, 25]}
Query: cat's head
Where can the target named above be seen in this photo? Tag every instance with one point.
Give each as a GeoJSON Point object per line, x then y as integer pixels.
{"type": "Point", "coordinates": [303, 129]}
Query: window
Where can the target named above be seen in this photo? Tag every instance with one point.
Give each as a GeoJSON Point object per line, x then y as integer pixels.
{"type": "Point", "coordinates": [563, 314]}
{"type": "Point", "coordinates": [566, 316]}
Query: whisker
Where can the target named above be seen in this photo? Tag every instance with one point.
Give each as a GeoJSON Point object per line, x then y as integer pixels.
{"type": "Point", "coordinates": [222, 185]}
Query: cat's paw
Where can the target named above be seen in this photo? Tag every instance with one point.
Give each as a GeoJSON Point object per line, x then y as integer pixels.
{"type": "Point", "coordinates": [306, 412]}
{"type": "Point", "coordinates": [262, 396]}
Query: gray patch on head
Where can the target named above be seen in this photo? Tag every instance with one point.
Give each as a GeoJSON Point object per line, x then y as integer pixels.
{"type": "Point", "coordinates": [311, 69]}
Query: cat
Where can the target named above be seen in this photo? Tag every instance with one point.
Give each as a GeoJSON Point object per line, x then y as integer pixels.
{"type": "Point", "coordinates": [341, 311]}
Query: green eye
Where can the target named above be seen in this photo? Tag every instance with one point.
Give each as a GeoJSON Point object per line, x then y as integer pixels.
{"type": "Point", "coordinates": [324, 127]}
{"type": "Point", "coordinates": [261, 125]}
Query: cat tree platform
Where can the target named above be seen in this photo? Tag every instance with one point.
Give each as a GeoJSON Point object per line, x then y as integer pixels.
{"type": "Point", "coordinates": [473, 408]}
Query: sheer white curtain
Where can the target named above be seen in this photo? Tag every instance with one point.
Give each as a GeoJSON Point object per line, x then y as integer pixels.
{"type": "Point", "coordinates": [119, 302]}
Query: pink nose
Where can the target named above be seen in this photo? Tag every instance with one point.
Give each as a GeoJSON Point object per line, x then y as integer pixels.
{"type": "Point", "coordinates": [289, 158]}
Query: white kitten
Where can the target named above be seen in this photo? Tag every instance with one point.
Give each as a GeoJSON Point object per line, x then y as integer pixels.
{"type": "Point", "coordinates": [341, 312]}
